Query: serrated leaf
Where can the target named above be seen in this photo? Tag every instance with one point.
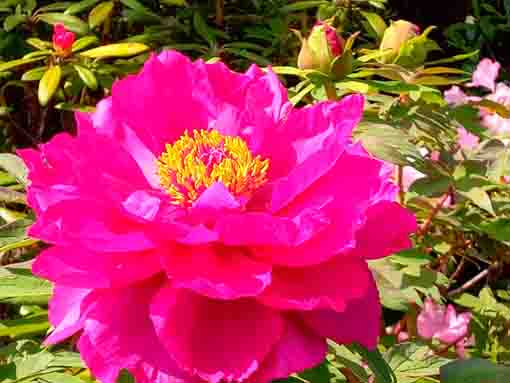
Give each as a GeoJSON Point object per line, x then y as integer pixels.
{"type": "Point", "coordinates": [72, 23]}
{"type": "Point", "coordinates": [116, 50]}
{"type": "Point", "coordinates": [86, 76]}
{"type": "Point", "coordinates": [100, 13]}
{"type": "Point", "coordinates": [480, 198]}
{"type": "Point", "coordinates": [49, 84]}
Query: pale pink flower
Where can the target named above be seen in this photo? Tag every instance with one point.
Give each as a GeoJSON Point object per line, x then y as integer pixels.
{"type": "Point", "coordinates": [466, 140]}
{"type": "Point", "coordinates": [436, 321]}
{"type": "Point", "coordinates": [485, 74]}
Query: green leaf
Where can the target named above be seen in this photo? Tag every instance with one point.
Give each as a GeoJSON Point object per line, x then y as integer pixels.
{"type": "Point", "coordinates": [376, 23]}
{"type": "Point", "coordinates": [38, 43]}
{"type": "Point", "coordinates": [498, 229]}
{"type": "Point", "coordinates": [14, 166]}
{"type": "Point", "coordinates": [49, 84]}
{"type": "Point", "coordinates": [72, 23]}
{"type": "Point", "coordinates": [21, 286]}
{"type": "Point", "coordinates": [100, 13]}
{"type": "Point", "coordinates": [302, 5]}
{"type": "Point", "coordinates": [411, 361]}
{"type": "Point", "coordinates": [60, 377]}
{"type": "Point", "coordinates": [26, 366]}
{"type": "Point", "coordinates": [80, 6]}
{"type": "Point", "coordinates": [474, 370]}
{"type": "Point", "coordinates": [83, 43]}
{"type": "Point", "coordinates": [34, 74]}
{"type": "Point", "coordinates": [452, 59]}
{"type": "Point", "coordinates": [480, 198]}
{"type": "Point", "coordinates": [374, 359]}
{"type": "Point", "coordinates": [86, 76]}
{"type": "Point", "coordinates": [12, 21]}
{"type": "Point", "coordinates": [15, 328]}
{"type": "Point", "coordinates": [431, 186]}
{"type": "Point", "coordinates": [202, 28]}
{"type": "Point", "coordinates": [14, 63]}
{"type": "Point", "coordinates": [116, 50]}
{"type": "Point", "coordinates": [67, 359]}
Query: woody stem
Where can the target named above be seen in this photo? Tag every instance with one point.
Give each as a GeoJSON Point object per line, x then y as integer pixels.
{"type": "Point", "coordinates": [330, 89]}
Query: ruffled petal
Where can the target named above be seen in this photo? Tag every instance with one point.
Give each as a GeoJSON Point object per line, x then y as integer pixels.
{"type": "Point", "coordinates": [216, 271]}
{"type": "Point", "coordinates": [81, 268]}
{"type": "Point", "coordinates": [378, 237]}
{"type": "Point", "coordinates": [322, 133]}
{"type": "Point", "coordinates": [66, 312]}
{"type": "Point", "coordinates": [341, 197]}
{"type": "Point", "coordinates": [335, 284]}
{"type": "Point", "coordinates": [192, 327]}
{"type": "Point", "coordinates": [167, 107]}
{"type": "Point", "coordinates": [344, 327]}
{"type": "Point", "coordinates": [299, 349]}
{"type": "Point", "coordinates": [118, 334]}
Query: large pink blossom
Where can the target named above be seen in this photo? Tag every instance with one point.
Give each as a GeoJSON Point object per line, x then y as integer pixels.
{"type": "Point", "coordinates": [203, 229]}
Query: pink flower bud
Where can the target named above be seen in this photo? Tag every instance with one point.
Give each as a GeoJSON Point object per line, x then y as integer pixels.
{"type": "Point", "coordinates": [320, 48]}
{"type": "Point", "coordinates": [62, 39]}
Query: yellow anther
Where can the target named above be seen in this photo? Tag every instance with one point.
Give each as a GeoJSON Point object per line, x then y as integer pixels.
{"type": "Point", "coordinates": [193, 163]}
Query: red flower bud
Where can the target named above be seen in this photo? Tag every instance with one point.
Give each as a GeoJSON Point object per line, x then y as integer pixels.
{"type": "Point", "coordinates": [62, 39]}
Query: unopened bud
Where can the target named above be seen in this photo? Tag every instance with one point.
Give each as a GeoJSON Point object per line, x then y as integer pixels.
{"type": "Point", "coordinates": [320, 48]}
{"type": "Point", "coordinates": [396, 35]}
{"type": "Point", "coordinates": [62, 40]}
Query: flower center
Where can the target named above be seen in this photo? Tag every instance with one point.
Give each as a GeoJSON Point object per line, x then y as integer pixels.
{"type": "Point", "coordinates": [193, 163]}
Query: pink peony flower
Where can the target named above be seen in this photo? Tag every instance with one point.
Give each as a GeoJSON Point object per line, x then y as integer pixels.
{"type": "Point", "coordinates": [442, 323]}
{"type": "Point", "coordinates": [485, 74]}
{"type": "Point", "coordinates": [62, 39]}
{"type": "Point", "coordinates": [491, 120]}
{"type": "Point", "coordinates": [205, 230]}
{"type": "Point", "coordinates": [466, 140]}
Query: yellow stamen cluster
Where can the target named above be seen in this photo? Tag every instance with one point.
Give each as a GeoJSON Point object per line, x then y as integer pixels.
{"type": "Point", "coordinates": [193, 163]}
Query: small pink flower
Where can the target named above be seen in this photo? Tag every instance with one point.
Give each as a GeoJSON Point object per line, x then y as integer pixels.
{"type": "Point", "coordinates": [409, 175]}
{"type": "Point", "coordinates": [434, 155]}
{"type": "Point", "coordinates": [485, 74]}
{"type": "Point", "coordinates": [466, 140]}
{"type": "Point", "coordinates": [442, 323]}
{"type": "Point", "coordinates": [62, 39]}
{"type": "Point", "coordinates": [455, 96]}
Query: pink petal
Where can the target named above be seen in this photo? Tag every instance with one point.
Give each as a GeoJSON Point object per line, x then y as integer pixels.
{"type": "Point", "coordinates": [316, 151]}
{"type": "Point", "coordinates": [82, 268]}
{"type": "Point", "coordinates": [378, 237]}
{"type": "Point", "coordinates": [66, 312]}
{"type": "Point", "coordinates": [344, 327]}
{"type": "Point", "coordinates": [118, 334]}
{"type": "Point", "coordinates": [217, 271]}
{"type": "Point", "coordinates": [100, 230]}
{"type": "Point", "coordinates": [336, 283]}
{"type": "Point", "coordinates": [466, 140]}
{"type": "Point", "coordinates": [341, 196]}
{"type": "Point", "coordinates": [455, 96]}
{"type": "Point", "coordinates": [486, 74]}
{"type": "Point", "coordinates": [167, 107]}
{"type": "Point", "coordinates": [192, 327]}
{"type": "Point", "coordinates": [299, 349]}
{"type": "Point", "coordinates": [431, 319]}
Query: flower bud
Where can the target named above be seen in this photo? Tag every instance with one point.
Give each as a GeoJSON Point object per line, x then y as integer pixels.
{"type": "Point", "coordinates": [396, 35]}
{"type": "Point", "coordinates": [320, 48]}
{"type": "Point", "coordinates": [62, 40]}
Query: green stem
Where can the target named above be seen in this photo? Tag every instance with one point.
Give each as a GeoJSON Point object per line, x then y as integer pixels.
{"type": "Point", "coordinates": [330, 89]}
